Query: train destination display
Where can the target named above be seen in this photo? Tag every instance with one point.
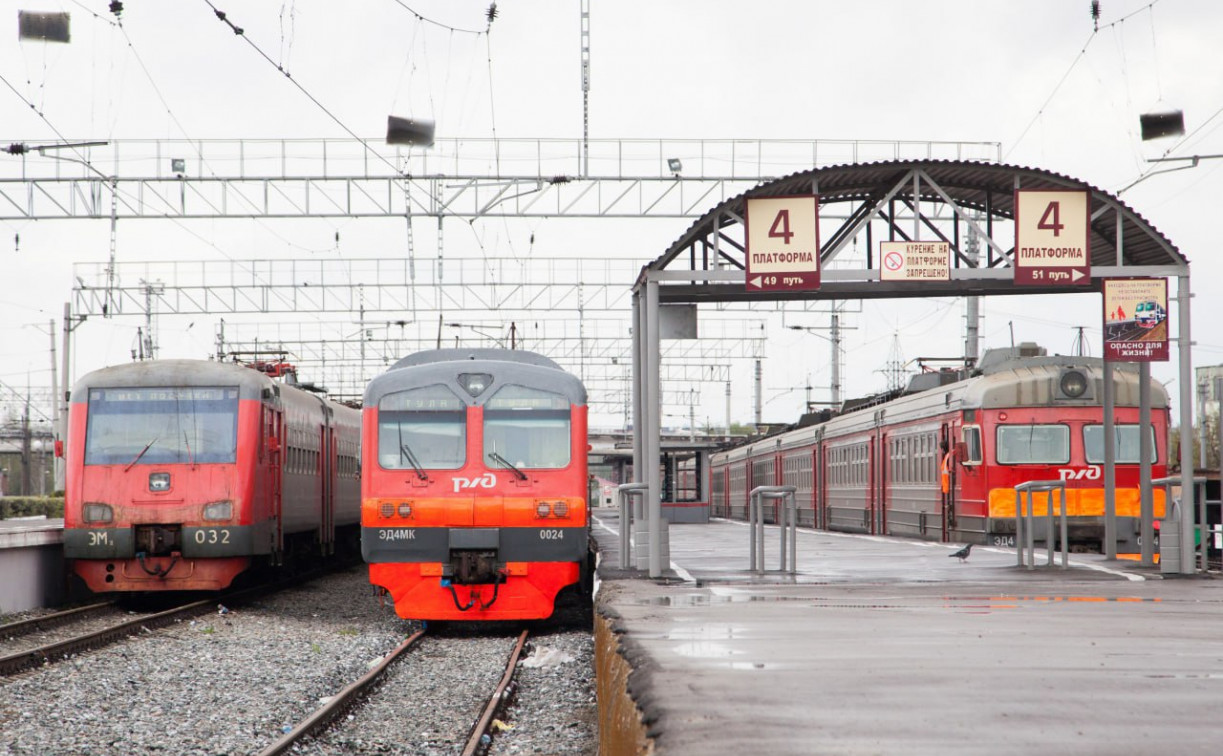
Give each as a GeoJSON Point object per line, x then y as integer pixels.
{"type": "Point", "coordinates": [783, 243]}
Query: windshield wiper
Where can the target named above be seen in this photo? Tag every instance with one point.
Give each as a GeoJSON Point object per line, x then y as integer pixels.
{"type": "Point", "coordinates": [405, 452]}
{"type": "Point", "coordinates": [140, 454]}
{"type": "Point", "coordinates": [494, 456]}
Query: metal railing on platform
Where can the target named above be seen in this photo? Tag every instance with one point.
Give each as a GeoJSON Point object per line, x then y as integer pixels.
{"type": "Point", "coordinates": [1170, 533]}
{"type": "Point", "coordinates": [1025, 522]}
{"type": "Point", "coordinates": [628, 492]}
{"type": "Point", "coordinates": [788, 522]}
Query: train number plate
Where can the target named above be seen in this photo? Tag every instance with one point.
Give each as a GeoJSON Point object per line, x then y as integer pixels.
{"type": "Point", "coordinates": [212, 536]}
{"type": "Point", "coordinates": [1003, 540]}
{"type": "Point", "coordinates": [548, 534]}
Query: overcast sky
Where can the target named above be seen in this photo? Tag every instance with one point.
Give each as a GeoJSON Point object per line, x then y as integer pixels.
{"type": "Point", "coordinates": [1031, 75]}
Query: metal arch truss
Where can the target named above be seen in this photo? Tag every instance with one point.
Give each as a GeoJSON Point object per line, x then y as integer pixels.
{"type": "Point", "coordinates": [466, 178]}
{"type": "Point", "coordinates": [707, 264]}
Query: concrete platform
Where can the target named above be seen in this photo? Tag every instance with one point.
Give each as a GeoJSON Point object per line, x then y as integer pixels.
{"type": "Point", "coordinates": [31, 563]}
{"type": "Point", "coordinates": [888, 646]}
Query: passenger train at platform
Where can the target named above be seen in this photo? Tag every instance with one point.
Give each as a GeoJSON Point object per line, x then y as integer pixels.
{"type": "Point", "coordinates": [184, 474]}
{"type": "Point", "coordinates": [942, 463]}
{"type": "Point", "coordinates": [474, 484]}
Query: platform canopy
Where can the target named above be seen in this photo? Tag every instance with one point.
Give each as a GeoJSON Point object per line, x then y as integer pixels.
{"type": "Point", "coordinates": [848, 211]}
{"type": "Point", "coordinates": [955, 200]}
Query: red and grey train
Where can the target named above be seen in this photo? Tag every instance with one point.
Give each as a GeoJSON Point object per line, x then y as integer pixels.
{"type": "Point", "coordinates": [474, 484]}
{"type": "Point", "coordinates": [942, 463]}
{"type": "Point", "coordinates": [183, 474]}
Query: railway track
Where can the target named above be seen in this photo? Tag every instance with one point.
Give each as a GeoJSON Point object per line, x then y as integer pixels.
{"type": "Point", "coordinates": [28, 658]}
{"type": "Point", "coordinates": [478, 736]}
{"type": "Point", "coordinates": [47, 621]}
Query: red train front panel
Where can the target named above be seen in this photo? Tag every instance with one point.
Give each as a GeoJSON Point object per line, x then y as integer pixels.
{"type": "Point", "coordinates": [1063, 443]}
{"type": "Point", "coordinates": [161, 483]}
{"type": "Point", "coordinates": [474, 489]}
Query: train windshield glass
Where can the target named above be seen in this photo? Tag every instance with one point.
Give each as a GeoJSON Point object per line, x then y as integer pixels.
{"type": "Point", "coordinates": [425, 426]}
{"type": "Point", "coordinates": [1033, 444]}
{"type": "Point", "coordinates": [1125, 450]}
{"type": "Point", "coordinates": [529, 428]}
{"type": "Point", "coordinates": [158, 426]}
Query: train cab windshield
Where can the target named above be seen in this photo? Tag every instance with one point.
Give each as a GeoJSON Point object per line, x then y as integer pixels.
{"type": "Point", "coordinates": [528, 428]}
{"type": "Point", "coordinates": [1033, 444]}
{"type": "Point", "coordinates": [1126, 450]}
{"type": "Point", "coordinates": [422, 429]}
{"type": "Point", "coordinates": [157, 426]}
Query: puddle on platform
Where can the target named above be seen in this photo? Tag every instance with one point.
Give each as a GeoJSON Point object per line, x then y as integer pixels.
{"type": "Point", "coordinates": [703, 599]}
{"type": "Point", "coordinates": [987, 604]}
{"type": "Point", "coordinates": [709, 643]}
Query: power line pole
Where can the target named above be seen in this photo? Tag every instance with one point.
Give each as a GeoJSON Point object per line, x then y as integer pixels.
{"type": "Point", "coordinates": [585, 87]}
{"type": "Point", "coordinates": [972, 315]}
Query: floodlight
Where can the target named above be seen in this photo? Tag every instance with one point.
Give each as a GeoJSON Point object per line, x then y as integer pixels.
{"type": "Point", "coordinates": [49, 27]}
{"type": "Point", "coordinates": [675, 165]}
{"type": "Point", "coordinates": [1156, 125]}
{"type": "Point", "coordinates": [409, 131]}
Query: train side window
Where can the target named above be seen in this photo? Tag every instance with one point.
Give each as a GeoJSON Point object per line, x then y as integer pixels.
{"type": "Point", "coordinates": [972, 444]}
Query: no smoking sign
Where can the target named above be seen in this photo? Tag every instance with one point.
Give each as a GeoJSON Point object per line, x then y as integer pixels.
{"type": "Point", "coordinates": [914, 261]}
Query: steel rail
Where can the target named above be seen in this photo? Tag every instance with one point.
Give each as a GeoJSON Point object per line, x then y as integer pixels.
{"type": "Point", "coordinates": [323, 716]}
{"type": "Point", "coordinates": [22, 660]}
{"type": "Point", "coordinates": [32, 624]}
{"type": "Point", "coordinates": [499, 699]}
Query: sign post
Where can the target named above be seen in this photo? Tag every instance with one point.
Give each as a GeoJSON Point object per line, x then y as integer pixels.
{"type": "Point", "coordinates": [783, 243]}
{"type": "Point", "coordinates": [1052, 237]}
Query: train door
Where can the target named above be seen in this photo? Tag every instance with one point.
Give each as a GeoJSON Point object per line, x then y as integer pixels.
{"type": "Point", "coordinates": [946, 474]}
{"type": "Point", "coordinates": [817, 483]}
{"type": "Point", "coordinates": [881, 482]}
{"type": "Point", "coordinates": [326, 473]}
{"type": "Point", "coordinates": [329, 471]}
{"type": "Point", "coordinates": [272, 440]}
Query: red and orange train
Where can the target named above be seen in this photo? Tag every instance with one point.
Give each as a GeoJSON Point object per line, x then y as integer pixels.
{"type": "Point", "coordinates": [474, 484]}
{"type": "Point", "coordinates": [942, 463]}
{"type": "Point", "coordinates": [183, 474]}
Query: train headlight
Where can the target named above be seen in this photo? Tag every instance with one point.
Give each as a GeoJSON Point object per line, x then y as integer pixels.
{"type": "Point", "coordinates": [475, 383]}
{"type": "Point", "coordinates": [386, 509]}
{"type": "Point", "coordinates": [561, 509]}
{"type": "Point", "coordinates": [1073, 384]}
{"type": "Point", "coordinates": [159, 481]}
{"type": "Point", "coordinates": [405, 509]}
{"type": "Point", "coordinates": [219, 510]}
{"type": "Point", "coordinates": [543, 509]}
{"type": "Point", "coordinates": [97, 513]}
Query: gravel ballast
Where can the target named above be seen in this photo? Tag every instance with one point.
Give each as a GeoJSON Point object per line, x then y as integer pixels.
{"type": "Point", "coordinates": [232, 681]}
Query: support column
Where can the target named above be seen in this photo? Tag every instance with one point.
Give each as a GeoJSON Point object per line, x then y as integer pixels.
{"type": "Point", "coordinates": [653, 426]}
{"type": "Point", "coordinates": [638, 387]}
{"type": "Point", "coordinates": [1184, 351]}
{"type": "Point", "coordinates": [1110, 463]}
{"type": "Point", "coordinates": [1146, 528]}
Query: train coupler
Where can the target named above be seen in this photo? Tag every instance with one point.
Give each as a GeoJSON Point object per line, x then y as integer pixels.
{"type": "Point", "coordinates": [158, 571]}
{"type": "Point", "coordinates": [473, 595]}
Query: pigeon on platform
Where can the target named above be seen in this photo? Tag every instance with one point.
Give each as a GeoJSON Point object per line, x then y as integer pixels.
{"type": "Point", "coordinates": [962, 554]}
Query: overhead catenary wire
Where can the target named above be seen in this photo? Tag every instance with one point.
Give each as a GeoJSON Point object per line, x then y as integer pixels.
{"type": "Point", "coordinates": [1057, 87]}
